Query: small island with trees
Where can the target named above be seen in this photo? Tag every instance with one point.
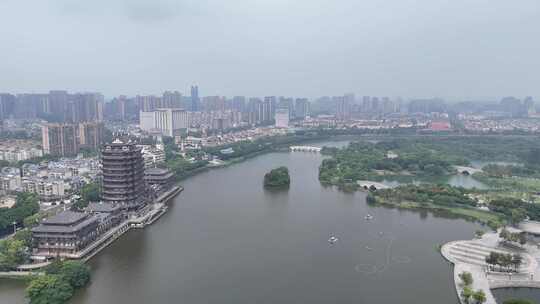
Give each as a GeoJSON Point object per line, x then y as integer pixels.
{"type": "Point", "coordinates": [277, 178]}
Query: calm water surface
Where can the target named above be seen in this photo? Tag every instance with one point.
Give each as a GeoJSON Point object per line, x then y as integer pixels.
{"type": "Point", "coordinates": [531, 294]}
{"type": "Point", "coordinates": [227, 240]}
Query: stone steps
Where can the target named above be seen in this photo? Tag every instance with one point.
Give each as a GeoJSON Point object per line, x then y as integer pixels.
{"type": "Point", "coordinates": [479, 247]}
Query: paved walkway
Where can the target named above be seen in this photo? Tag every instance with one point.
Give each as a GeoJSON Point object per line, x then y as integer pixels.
{"type": "Point", "coordinates": [470, 256]}
{"type": "Point", "coordinates": [531, 227]}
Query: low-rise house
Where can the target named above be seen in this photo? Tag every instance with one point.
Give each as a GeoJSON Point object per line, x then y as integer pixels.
{"type": "Point", "coordinates": [160, 177]}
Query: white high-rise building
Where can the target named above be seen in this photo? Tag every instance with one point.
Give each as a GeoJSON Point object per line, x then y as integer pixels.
{"type": "Point", "coordinates": [169, 121]}
{"type": "Point", "coordinates": [282, 118]}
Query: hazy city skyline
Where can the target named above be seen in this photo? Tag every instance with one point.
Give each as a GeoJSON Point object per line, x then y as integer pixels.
{"type": "Point", "coordinates": [456, 50]}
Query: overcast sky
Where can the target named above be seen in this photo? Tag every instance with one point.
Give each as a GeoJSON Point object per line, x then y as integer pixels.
{"type": "Point", "coordinates": [456, 49]}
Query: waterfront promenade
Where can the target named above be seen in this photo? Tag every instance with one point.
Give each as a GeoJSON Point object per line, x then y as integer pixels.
{"type": "Point", "coordinates": [135, 221]}
{"type": "Point", "coordinates": [469, 256]}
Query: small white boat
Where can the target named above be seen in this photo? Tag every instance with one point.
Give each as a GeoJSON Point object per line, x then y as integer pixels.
{"type": "Point", "coordinates": [333, 240]}
{"type": "Point", "coordinates": [369, 248]}
{"type": "Point", "coordinates": [368, 217]}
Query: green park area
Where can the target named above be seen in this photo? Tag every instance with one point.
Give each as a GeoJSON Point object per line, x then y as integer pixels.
{"type": "Point", "coordinates": [510, 173]}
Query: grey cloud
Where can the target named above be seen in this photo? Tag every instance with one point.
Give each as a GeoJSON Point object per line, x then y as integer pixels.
{"type": "Point", "coordinates": [454, 49]}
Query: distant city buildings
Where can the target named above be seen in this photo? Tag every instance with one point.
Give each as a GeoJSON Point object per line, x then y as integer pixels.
{"type": "Point", "coordinates": [301, 108]}
{"type": "Point", "coordinates": [282, 118]}
{"type": "Point", "coordinates": [165, 121]}
{"type": "Point", "coordinates": [195, 101]}
{"type": "Point", "coordinates": [66, 139]}
{"type": "Point", "coordinates": [13, 150]}
{"type": "Point", "coordinates": [60, 139]}
{"type": "Point", "coordinates": [343, 106]}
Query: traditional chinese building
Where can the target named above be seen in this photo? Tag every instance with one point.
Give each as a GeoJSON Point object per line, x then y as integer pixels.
{"type": "Point", "coordinates": [64, 234]}
{"type": "Point", "coordinates": [123, 175]}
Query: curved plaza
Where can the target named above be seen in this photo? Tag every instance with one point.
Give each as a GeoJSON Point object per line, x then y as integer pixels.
{"type": "Point", "coordinates": [470, 256]}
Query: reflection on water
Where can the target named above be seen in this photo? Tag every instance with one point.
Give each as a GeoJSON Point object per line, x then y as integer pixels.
{"type": "Point", "coordinates": [458, 180]}
{"type": "Point", "coordinates": [503, 294]}
{"type": "Point", "coordinates": [12, 291]}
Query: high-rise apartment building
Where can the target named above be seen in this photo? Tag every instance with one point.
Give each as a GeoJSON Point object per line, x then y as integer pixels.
{"type": "Point", "coordinates": [301, 108]}
{"type": "Point", "coordinates": [123, 175]}
{"type": "Point", "coordinates": [58, 105]}
{"type": "Point", "coordinates": [60, 139]}
{"type": "Point", "coordinates": [148, 103]}
{"type": "Point", "coordinates": [91, 135]}
{"type": "Point", "coordinates": [171, 100]}
{"type": "Point", "coordinates": [239, 103]}
{"type": "Point", "coordinates": [342, 104]}
{"type": "Point", "coordinates": [169, 122]}
{"type": "Point", "coordinates": [84, 107]}
{"type": "Point", "coordinates": [195, 102]}
{"type": "Point", "coordinates": [7, 105]}
{"type": "Point", "coordinates": [282, 118]}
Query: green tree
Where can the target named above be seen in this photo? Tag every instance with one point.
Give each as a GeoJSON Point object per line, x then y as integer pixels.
{"type": "Point", "coordinates": [32, 220]}
{"type": "Point", "coordinates": [479, 233]}
{"type": "Point", "coordinates": [522, 237]}
{"type": "Point", "coordinates": [466, 293]}
{"type": "Point", "coordinates": [479, 296]}
{"type": "Point", "coordinates": [517, 259]}
{"type": "Point", "coordinates": [278, 177]}
{"type": "Point", "coordinates": [90, 192]}
{"type": "Point", "coordinates": [48, 289]}
{"type": "Point", "coordinates": [517, 215]}
{"type": "Point", "coordinates": [12, 254]}
{"type": "Point", "coordinates": [75, 273]}
{"type": "Point", "coordinates": [25, 236]}
{"type": "Point", "coordinates": [25, 205]}
{"type": "Point", "coordinates": [55, 267]}
{"type": "Point", "coordinates": [466, 278]}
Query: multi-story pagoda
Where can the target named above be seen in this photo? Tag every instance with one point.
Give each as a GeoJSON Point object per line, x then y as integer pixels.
{"type": "Point", "coordinates": [123, 175]}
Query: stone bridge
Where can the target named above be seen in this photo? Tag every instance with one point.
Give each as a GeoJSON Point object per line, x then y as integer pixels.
{"type": "Point", "coordinates": [304, 149]}
{"type": "Point", "coordinates": [470, 170]}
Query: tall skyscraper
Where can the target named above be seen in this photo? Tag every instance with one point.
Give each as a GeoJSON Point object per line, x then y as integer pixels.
{"type": "Point", "coordinates": [254, 110]}
{"type": "Point", "coordinates": [169, 122]}
{"type": "Point", "coordinates": [239, 103]}
{"type": "Point", "coordinates": [123, 175]}
{"type": "Point", "coordinates": [91, 135]}
{"type": "Point", "coordinates": [366, 104]}
{"type": "Point", "coordinates": [171, 99]}
{"type": "Point", "coordinates": [282, 118]}
{"type": "Point", "coordinates": [342, 104]}
{"type": "Point", "coordinates": [530, 107]}
{"type": "Point", "coordinates": [30, 106]}
{"type": "Point", "coordinates": [85, 107]}
{"type": "Point", "coordinates": [195, 99]}
{"type": "Point", "coordinates": [301, 108]}
{"type": "Point", "coordinates": [60, 139]}
{"type": "Point", "coordinates": [269, 109]}
{"type": "Point", "coordinates": [148, 103]}
{"type": "Point", "coordinates": [58, 105]}
{"type": "Point", "coordinates": [7, 105]}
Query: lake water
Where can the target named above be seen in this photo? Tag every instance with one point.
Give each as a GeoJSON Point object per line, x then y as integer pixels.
{"type": "Point", "coordinates": [226, 239]}
{"type": "Point", "coordinates": [458, 180]}
{"type": "Point", "coordinates": [531, 294]}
